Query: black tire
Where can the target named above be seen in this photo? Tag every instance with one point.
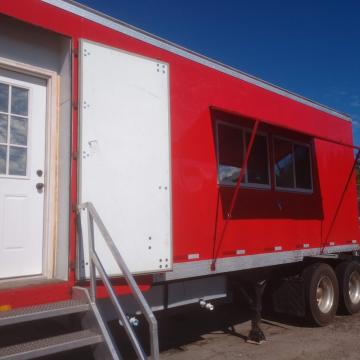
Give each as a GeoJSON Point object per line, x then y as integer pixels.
{"type": "Point", "coordinates": [348, 275]}
{"type": "Point", "coordinates": [320, 281]}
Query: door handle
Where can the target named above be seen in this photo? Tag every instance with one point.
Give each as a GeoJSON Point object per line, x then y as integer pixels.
{"type": "Point", "coordinates": [40, 187]}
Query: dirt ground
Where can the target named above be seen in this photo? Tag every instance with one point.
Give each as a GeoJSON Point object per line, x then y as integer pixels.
{"type": "Point", "coordinates": [222, 334]}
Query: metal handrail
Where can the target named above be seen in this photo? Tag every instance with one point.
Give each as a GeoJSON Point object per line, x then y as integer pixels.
{"type": "Point", "coordinates": [96, 265]}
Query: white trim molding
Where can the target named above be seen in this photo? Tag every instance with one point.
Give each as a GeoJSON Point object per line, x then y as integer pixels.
{"type": "Point", "coordinates": [51, 163]}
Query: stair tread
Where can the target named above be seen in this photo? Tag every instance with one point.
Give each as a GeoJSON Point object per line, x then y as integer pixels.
{"type": "Point", "coordinates": [51, 345]}
{"type": "Point", "coordinates": [42, 311]}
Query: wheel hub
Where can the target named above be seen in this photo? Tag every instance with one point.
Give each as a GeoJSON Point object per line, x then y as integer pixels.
{"type": "Point", "coordinates": [325, 294]}
{"type": "Point", "coordinates": [354, 287]}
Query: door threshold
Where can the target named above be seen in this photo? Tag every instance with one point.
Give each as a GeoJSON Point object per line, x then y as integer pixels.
{"type": "Point", "coordinates": [14, 283]}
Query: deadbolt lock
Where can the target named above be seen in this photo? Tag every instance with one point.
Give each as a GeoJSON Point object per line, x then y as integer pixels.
{"type": "Point", "coordinates": [40, 187]}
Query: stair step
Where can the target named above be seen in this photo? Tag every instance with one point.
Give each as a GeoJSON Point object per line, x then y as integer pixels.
{"type": "Point", "coordinates": [44, 311]}
{"type": "Point", "coordinates": [51, 345]}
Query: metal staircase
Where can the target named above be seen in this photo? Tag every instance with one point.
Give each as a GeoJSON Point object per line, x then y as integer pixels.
{"type": "Point", "coordinates": [52, 345]}
{"type": "Point", "coordinates": [49, 345]}
{"type": "Point", "coordinates": [94, 330]}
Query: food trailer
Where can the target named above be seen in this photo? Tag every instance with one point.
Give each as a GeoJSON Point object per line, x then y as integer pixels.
{"type": "Point", "coordinates": [138, 176]}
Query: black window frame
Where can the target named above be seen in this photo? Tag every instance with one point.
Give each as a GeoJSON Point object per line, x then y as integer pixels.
{"type": "Point", "coordinates": [245, 183]}
{"type": "Point", "coordinates": [293, 143]}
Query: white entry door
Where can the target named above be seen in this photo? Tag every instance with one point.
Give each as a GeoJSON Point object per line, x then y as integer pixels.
{"type": "Point", "coordinates": [22, 161]}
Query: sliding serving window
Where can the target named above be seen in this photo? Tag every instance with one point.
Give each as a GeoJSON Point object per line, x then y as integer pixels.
{"type": "Point", "coordinates": [292, 163]}
{"type": "Point", "coordinates": [232, 142]}
{"type": "Point", "coordinates": [258, 164]}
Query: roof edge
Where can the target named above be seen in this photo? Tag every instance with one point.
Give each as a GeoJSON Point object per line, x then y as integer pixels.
{"type": "Point", "coordinates": [120, 26]}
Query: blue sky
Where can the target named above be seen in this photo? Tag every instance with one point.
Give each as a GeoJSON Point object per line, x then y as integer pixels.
{"type": "Point", "coordinates": [309, 47]}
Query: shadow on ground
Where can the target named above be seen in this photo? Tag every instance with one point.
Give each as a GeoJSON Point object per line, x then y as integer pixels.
{"type": "Point", "coordinates": [179, 329]}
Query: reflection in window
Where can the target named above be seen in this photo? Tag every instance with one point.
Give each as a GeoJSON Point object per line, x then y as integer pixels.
{"type": "Point", "coordinates": [284, 164]}
{"type": "Point", "coordinates": [231, 148]}
{"type": "Point", "coordinates": [2, 159]}
{"type": "Point", "coordinates": [13, 130]}
{"type": "Point", "coordinates": [292, 165]}
{"type": "Point", "coordinates": [17, 161]}
{"type": "Point", "coordinates": [232, 142]}
{"type": "Point", "coordinates": [3, 128]}
{"type": "Point", "coordinates": [18, 130]}
{"type": "Point", "coordinates": [4, 97]}
{"type": "Point", "coordinates": [19, 101]}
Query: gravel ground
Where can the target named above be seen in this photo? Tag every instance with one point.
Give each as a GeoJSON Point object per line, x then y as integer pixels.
{"type": "Point", "coordinates": [222, 334]}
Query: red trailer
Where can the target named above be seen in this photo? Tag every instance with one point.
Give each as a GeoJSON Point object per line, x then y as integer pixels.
{"type": "Point", "coordinates": [138, 176]}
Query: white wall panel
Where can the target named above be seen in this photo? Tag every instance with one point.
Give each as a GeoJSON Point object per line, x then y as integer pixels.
{"type": "Point", "coordinates": [125, 155]}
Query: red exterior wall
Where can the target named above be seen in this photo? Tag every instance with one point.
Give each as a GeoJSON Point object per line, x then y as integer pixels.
{"type": "Point", "coordinates": [198, 202]}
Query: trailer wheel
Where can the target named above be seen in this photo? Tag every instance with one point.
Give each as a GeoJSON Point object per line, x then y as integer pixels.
{"type": "Point", "coordinates": [321, 293]}
{"type": "Point", "coordinates": [348, 274]}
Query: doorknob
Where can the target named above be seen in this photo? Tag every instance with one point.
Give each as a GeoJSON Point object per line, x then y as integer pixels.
{"type": "Point", "coordinates": [40, 187]}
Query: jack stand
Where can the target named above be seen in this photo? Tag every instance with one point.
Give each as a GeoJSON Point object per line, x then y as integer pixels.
{"type": "Point", "coordinates": [256, 335]}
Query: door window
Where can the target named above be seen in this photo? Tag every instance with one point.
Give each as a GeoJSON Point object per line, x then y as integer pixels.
{"type": "Point", "coordinates": [14, 119]}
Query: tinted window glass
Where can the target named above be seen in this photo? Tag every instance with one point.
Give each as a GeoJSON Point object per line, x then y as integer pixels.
{"type": "Point", "coordinates": [230, 148]}
{"type": "Point", "coordinates": [284, 162]}
{"type": "Point", "coordinates": [257, 169]}
{"type": "Point", "coordinates": [302, 167]}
